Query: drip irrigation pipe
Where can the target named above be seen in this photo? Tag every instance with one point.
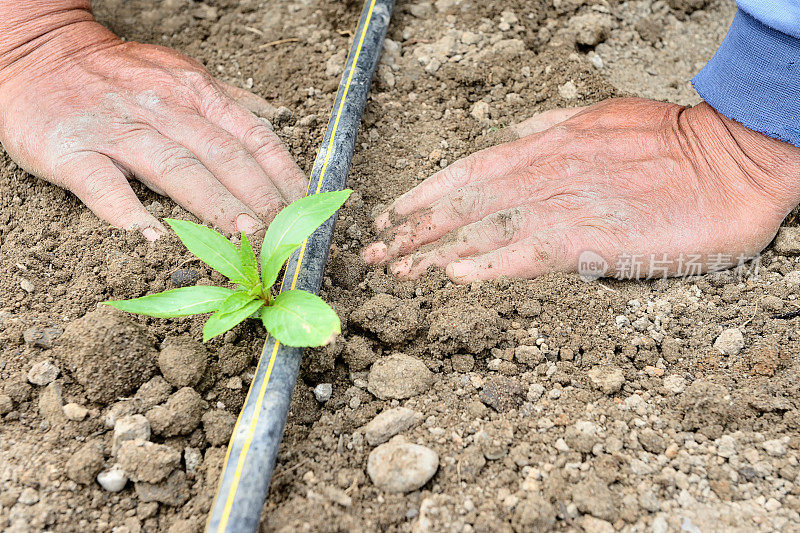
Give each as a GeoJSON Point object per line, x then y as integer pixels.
{"type": "Point", "coordinates": [253, 448]}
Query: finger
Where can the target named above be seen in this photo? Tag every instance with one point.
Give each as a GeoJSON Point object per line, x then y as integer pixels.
{"type": "Point", "coordinates": [231, 162]}
{"type": "Point", "coordinates": [250, 101]}
{"type": "Point", "coordinates": [264, 145]}
{"type": "Point", "coordinates": [105, 190]}
{"type": "Point", "coordinates": [466, 205]}
{"type": "Point", "coordinates": [495, 231]}
{"type": "Point", "coordinates": [546, 120]}
{"type": "Point", "coordinates": [548, 251]}
{"type": "Point", "coordinates": [481, 166]}
{"type": "Point", "coordinates": [162, 163]}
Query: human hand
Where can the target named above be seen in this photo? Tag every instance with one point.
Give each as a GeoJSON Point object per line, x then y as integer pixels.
{"type": "Point", "coordinates": [88, 112]}
{"type": "Point", "coordinates": [623, 178]}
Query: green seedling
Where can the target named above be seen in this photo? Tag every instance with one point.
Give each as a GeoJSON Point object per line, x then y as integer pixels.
{"type": "Point", "coordinates": [295, 317]}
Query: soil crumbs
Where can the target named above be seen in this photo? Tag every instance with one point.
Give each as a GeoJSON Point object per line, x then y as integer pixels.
{"type": "Point", "coordinates": [550, 404]}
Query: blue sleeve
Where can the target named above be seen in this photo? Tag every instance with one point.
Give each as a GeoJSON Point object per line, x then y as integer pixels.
{"type": "Point", "coordinates": [754, 78]}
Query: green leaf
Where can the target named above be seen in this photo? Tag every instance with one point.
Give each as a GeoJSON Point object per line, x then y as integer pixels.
{"type": "Point", "coordinates": [176, 302]}
{"type": "Point", "coordinates": [299, 318]}
{"type": "Point", "coordinates": [297, 221]}
{"type": "Point", "coordinates": [236, 301]}
{"type": "Point", "coordinates": [272, 266]}
{"type": "Point", "coordinates": [248, 262]}
{"type": "Point", "coordinates": [212, 248]}
{"type": "Point", "coordinates": [219, 322]}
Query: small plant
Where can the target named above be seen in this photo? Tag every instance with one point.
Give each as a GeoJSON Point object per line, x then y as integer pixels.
{"type": "Point", "coordinates": [295, 317]}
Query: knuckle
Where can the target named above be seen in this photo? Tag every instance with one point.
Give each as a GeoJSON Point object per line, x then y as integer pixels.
{"type": "Point", "coordinates": [502, 228]}
{"type": "Point", "coordinates": [260, 135]}
{"type": "Point", "coordinates": [225, 150]}
{"type": "Point", "coordinates": [265, 198]}
{"type": "Point", "coordinates": [200, 80]}
{"type": "Point", "coordinates": [465, 201]}
{"type": "Point", "coordinates": [174, 162]}
{"type": "Point", "coordinates": [266, 144]}
{"type": "Point", "coordinates": [453, 175]}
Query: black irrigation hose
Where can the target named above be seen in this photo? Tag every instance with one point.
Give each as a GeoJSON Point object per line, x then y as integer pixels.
{"type": "Point", "coordinates": [254, 445]}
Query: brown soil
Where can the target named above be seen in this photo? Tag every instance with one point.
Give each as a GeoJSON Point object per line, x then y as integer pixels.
{"type": "Point", "coordinates": [624, 415]}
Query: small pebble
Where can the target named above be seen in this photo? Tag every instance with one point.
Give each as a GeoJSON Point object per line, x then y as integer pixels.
{"type": "Point", "coordinates": [43, 373]}
{"type": "Point", "coordinates": [113, 480]}
{"type": "Point", "coordinates": [29, 496]}
{"type": "Point", "coordinates": [730, 342]}
{"type": "Point", "coordinates": [75, 412]}
{"type": "Point", "coordinates": [323, 392]}
{"type": "Point", "coordinates": [389, 423]}
{"type": "Point", "coordinates": [401, 466]}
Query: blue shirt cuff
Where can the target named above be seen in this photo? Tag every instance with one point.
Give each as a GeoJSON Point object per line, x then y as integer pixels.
{"type": "Point", "coordinates": [754, 79]}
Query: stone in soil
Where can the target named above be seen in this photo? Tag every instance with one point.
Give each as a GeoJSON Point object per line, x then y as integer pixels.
{"type": "Point", "coordinates": [730, 342]}
{"type": "Point", "coordinates": [389, 423]}
{"type": "Point", "coordinates": [607, 379]}
{"type": "Point", "coordinates": [43, 373]}
{"type": "Point", "coordinates": [107, 353]}
{"type": "Point", "coordinates": [127, 428]}
{"type": "Point", "coordinates": [86, 463]}
{"type": "Point", "coordinates": [113, 479]}
{"type": "Point", "coordinates": [501, 393]}
{"type": "Point", "coordinates": [75, 412]}
{"type": "Point", "coordinates": [401, 467]}
{"type": "Point", "coordinates": [185, 277]}
{"type": "Point", "coordinates": [675, 384]}
{"type": "Point", "coordinates": [146, 461]}
{"type": "Point", "coordinates": [399, 376]}
{"type": "Point", "coordinates": [182, 361]}
{"type": "Point", "coordinates": [323, 392]}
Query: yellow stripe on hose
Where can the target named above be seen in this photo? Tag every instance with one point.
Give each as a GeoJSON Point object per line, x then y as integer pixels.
{"type": "Point", "coordinates": [223, 523]}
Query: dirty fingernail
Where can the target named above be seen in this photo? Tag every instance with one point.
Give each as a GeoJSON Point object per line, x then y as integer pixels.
{"type": "Point", "coordinates": [382, 222]}
{"type": "Point", "coordinates": [248, 224]}
{"type": "Point", "coordinates": [461, 269]}
{"type": "Point", "coordinates": [151, 234]}
{"type": "Point", "coordinates": [374, 253]}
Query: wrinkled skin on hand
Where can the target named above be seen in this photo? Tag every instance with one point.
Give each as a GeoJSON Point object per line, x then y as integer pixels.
{"type": "Point", "coordinates": [89, 112]}
{"type": "Point", "coordinates": [628, 178]}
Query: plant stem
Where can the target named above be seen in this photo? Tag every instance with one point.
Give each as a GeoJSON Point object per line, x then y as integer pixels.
{"type": "Point", "coordinates": [266, 294]}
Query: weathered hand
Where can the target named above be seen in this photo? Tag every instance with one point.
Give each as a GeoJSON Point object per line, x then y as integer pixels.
{"type": "Point", "coordinates": [627, 178]}
{"type": "Point", "coordinates": [87, 111]}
